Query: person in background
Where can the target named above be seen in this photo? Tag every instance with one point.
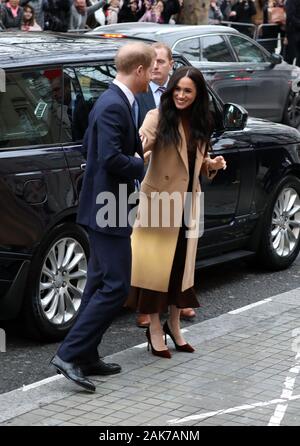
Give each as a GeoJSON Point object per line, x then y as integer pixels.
{"type": "Point", "coordinates": [12, 15]}
{"type": "Point", "coordinates": [242, 12]}
{"type": "Point", "coordinates": [171, 8]}
{"type": "Point", "coordinates": [129, 12]}
{"type": "Point", "coordinates": [80, 13]}
{"type": "Point", "coordinates": [148, 101]}
{"type": "Point", "coordinates": [28, 22]}
{"type": "Point", "coordinates": [108, 14]}
{"type": "Point", "coordinates": [214, 14]}
{"type": "Point", "coordinates": [292, 8]}
{"type": "Point", "coordinates": [57, 15]}
{"type": "Point", "coordinates": [37, 5]}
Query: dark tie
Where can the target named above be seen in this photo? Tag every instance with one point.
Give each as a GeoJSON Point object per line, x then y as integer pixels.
{"type": "Point", "coordinates": [135, 112]}
{"type": "Point", "coordinates": [161, 90]}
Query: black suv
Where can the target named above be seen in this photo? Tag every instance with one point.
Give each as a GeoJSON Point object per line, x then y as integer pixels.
{"type": "Point", "coordinates": [52, 82]}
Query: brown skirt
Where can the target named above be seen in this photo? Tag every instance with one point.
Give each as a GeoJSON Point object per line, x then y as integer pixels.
{"type": "Point", "coordinates": [149, 301]}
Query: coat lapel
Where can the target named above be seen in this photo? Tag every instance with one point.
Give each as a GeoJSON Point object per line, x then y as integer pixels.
{"type": "Point", "coordinates": [139, 147]}
{"type": "Point", "coordinates": [182, 148]}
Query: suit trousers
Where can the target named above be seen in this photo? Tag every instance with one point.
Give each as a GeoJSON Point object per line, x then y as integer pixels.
{"type": "Point", "coordinates": [106, 290]}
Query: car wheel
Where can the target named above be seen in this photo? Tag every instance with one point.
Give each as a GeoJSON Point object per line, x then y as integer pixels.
{"type": "Point", "coordinates": [56, 282]}
{"type": "Point", "coordinates": [291, 114]}
{"type": "Point", "coordinates": [280, 236]}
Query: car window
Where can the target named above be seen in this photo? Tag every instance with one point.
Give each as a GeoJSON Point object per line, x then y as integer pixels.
{"type": "Point", "coordinates": [215, 49]}
{"type": "Point", "coordinates": [30, 108]}
{"type": "Point", "coordinates": [95, 80]}
{"type": "Point", "coordinates": [189, 48]}
{"type": "Point", "coordinates": [245, 50]}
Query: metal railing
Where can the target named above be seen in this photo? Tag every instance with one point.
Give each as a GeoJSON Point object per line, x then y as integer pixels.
{"type": "Point", "coordinates": [266, 34]}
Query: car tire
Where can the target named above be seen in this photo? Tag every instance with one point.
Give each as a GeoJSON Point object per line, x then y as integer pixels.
{"type": "Point", "coordinates": [280, 234]}
{"type": "Point", "coordinates": [291, 114]}
{"type": "Point", "coordinates": [55, 283]}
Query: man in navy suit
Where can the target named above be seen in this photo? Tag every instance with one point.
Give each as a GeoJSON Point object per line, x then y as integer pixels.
{"type": "Point", "coordinates": [114, 163]}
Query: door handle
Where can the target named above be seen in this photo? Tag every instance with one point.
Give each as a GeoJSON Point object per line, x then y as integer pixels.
{"type": "Point", "coordinates": [249, 70]}
{"type": "Point", "coordinates": [83, 166]}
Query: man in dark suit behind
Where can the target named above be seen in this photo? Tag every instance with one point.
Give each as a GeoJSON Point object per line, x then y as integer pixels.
{"type": "Point", "coordinates": [114, 162]}
{"type": "Point", "coordinates": [148, 101]}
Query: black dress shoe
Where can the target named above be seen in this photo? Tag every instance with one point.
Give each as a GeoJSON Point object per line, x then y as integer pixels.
{"type": "Point", "coordinates": [100, 368]}
{"type": "Point", "coordinates": [73, 372]}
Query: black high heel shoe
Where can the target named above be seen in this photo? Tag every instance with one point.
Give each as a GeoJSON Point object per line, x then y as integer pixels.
{"type": "Point", "coordinates": [160, 353]}
{"type": "Point", "coordinates": [181, 348]}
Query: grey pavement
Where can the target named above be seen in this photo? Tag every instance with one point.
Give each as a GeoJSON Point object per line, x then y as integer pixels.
{"type": "Point", "coordinates": [244, 372]}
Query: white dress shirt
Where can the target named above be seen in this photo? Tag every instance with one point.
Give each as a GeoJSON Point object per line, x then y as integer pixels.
{"type": "Point", "coordinates": [157, 94]}
{"type": "Point", "coordinates": [128, 93]}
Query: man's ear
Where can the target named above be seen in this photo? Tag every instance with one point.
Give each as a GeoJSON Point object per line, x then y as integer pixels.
{"type": "Point", "coordinates": [139, 70]}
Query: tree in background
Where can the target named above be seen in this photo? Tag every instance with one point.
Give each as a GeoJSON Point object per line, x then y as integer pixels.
{"type": "Point", "coordinates": [195, 12]}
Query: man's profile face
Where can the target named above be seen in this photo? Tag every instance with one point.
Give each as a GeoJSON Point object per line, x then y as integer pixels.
{"type": "Point", "coordinates": [162, 66]}
{"type": "Point", "coordinates": [146, 78]}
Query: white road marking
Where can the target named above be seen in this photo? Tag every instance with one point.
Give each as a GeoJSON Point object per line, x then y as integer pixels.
{"type": "Point", "coordinates": [231, 410]}
{"type": "Point", "coordinates": [248, 307]}
{"type": "Point", "coordinates": [286, 394]}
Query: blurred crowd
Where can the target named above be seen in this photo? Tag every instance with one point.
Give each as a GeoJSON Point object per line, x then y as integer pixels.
{"type": "Point", "coordinates": [65, 15]}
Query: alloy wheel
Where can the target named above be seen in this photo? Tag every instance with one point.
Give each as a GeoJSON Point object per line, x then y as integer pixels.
{"type": "Point", "coordinates": [62, 281]}
{"type": "Point", "coordinates": [285, 230]}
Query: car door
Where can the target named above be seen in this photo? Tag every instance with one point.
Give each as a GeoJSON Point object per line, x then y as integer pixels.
{"type": "Point", "coordinates": [221, 71]}
{"type": "Point", "coordinates": [33, 169]}
{"type": "Point", "coordinates": [87, 83]}
{"type": "Point", "coordinates": [266, 90]}
{"type": "Point", "coordinates": [227, 198]}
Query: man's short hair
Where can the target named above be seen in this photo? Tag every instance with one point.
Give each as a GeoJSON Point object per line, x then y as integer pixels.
{"type": "Point", "coordinates": [161, 45]}
{"type": "Point", "coordinates": [132, 55]}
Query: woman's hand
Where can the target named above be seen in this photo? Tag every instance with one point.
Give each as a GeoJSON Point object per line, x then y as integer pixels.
{"type": "Point", "coordinates": [217, 163]}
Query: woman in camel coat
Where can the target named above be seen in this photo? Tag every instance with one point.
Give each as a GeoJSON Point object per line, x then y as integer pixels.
{"type": "Point", "coordinates": [165, 236]}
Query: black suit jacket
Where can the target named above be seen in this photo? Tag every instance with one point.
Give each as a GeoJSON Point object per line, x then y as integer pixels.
{"type": "Point", "coordinates": [146, 103]}
{"type": "Point", "coordinates": [111, 140]}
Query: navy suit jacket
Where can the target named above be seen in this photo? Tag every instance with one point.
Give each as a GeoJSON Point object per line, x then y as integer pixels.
{"type": "Point", "coordinates": [146, 102]}
{"type": "Point", "coordinates": [111, 140]}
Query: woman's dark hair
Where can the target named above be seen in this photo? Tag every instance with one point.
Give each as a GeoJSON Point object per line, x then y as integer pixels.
{"type": "Point", "coordinates": [31, 21]}
{"type": "Point", "coordinates": [200, 118]}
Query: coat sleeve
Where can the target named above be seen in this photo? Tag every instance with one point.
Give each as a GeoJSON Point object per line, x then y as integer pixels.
{"type": "Point", "coordinates": [149, 129]}
{"type": "Point", "coordinates": [111, 131]}
{"type": "Point", "coordinates": [205, 170]}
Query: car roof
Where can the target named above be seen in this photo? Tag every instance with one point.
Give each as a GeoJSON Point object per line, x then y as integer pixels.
{"type": "Point", "coordinates": [23, 49]}
{"type": "Point", "coordinates": [145, 29]}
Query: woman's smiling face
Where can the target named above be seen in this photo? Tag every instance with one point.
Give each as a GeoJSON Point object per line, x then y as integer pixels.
{"type": "Point", "coordinates": [184, 93]}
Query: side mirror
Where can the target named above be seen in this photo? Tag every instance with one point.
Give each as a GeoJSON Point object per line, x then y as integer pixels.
{"type": "Point", "coordinates": [234, 117]}
{"type": "Point", "coordinates": [276, 59]}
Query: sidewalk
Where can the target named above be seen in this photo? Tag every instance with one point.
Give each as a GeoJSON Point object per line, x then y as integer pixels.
{"type": "Point", "coordinates": [245, 371]}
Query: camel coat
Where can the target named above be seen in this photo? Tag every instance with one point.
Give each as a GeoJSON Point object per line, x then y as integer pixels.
{"type": "Point", "coordinates": [153, 248]}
